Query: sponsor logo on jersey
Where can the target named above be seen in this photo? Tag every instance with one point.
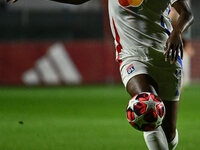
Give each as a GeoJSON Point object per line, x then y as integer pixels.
{"type": "Point", "coordinates": [134, 3]}
{"type": "Point", "coordinates": [130, 69]}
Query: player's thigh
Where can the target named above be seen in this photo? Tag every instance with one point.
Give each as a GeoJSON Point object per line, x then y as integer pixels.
{"type": "Point", "coordinates": [169, 83]}
{"type": "Point", "coordinates": [136, 78]}
{"type": "Point", "coordinates": [141, 83]}
{"type": "Point", "coordinates": [169, 122]}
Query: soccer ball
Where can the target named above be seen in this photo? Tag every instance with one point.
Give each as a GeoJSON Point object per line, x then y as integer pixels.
{"type": "Point", "coordinates": [145, 111]}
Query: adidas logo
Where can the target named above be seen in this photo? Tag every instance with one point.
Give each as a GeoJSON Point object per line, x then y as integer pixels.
{"type": "Point", "coordinates": [55, 68]}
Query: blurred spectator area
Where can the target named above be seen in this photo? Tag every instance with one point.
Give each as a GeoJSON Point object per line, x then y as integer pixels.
{"type": "Point", "coordinates": [48, 43]}
{"type": "Point", "coordinates": [44, 19]}
{"type": "Point", "coordinates": [196, 25]}
{"type": "Point", "coordinates": [39, 36]}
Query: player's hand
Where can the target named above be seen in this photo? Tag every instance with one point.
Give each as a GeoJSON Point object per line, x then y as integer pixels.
{"type": "Point", "coordinates": [174, 46]}
{"type": "Point", "coordinates": [13, 1]}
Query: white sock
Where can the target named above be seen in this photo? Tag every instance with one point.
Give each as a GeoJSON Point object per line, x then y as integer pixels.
{"type": "Point", "coordinates": [156, 139]}
{"type": "Point", "coordinates": [172, 145]}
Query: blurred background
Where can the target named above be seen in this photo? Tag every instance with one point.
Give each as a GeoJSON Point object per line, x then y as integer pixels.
{"type": "Point", "coordinates": [48, 43]}
{"type": "Point", "coordinates": [60, 86]}
{"type": "Point", "coordinates": [39, 37]}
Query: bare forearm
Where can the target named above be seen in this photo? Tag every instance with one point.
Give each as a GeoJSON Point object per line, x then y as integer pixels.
{"type": "Point", "coordinates": [75, 2]}
{"type": "Point", "coordinates": [185, 16]}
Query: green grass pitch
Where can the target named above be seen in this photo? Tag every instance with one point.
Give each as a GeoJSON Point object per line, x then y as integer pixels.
{"type": "Point", "coordinates": [83, 118]}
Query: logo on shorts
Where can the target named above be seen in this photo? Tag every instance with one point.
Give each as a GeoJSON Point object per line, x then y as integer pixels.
{"type": "Point", "coordinates": [130, 69]}
{"type": "Point", "coordinates": [178, 74]}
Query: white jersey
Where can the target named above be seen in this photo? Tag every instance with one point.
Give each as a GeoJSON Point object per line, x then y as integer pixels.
{"type": "Point", "coordinates": [138, 25]}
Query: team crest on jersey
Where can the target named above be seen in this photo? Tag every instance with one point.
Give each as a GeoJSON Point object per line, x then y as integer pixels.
{"type": "Point", "coordinates": [133, 3]}
{"type": "Point", "coordinates": [130, 69]}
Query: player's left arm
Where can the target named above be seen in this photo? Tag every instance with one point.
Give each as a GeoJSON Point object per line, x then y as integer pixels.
{"type": "Point", "coordinates": [75, 2]}
{"type": "Point", "coordinates": [174, 43]}
{"type": "Point", "coordinates": [13, 1]}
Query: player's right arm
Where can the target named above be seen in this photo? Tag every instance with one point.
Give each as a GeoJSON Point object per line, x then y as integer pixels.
{"type": "Point", "coordinates": [75, 2]}
{"type": "Point", "coordinates": [174, 43]}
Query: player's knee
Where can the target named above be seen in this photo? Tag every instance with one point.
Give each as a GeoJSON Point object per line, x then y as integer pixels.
{"type": "Point", "coordinates": [141, 83]}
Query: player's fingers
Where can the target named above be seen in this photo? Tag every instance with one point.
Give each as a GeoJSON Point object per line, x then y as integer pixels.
{"type": "Point", "coordinates": [176, 57]}
{"type": "Point", "coordinates": [176, 54]}
{"type": "Point", "coordinates": [172, 55]}
{"type": "Point", "coordinates": [167, 47]}
{"type": "Point", "coordinates": [166, 55]}
{"type": "Point", "coordinates": [181, 50]}
{"type": "Point", "coordinates": [167, 51]}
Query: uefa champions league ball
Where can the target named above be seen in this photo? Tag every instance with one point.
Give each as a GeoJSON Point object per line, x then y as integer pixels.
{"type": "Point", "coordinates": [145, 111]}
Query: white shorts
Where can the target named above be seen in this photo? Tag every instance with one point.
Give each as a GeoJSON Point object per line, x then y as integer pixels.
{"type": "Point", "coordinates": [167, 76]}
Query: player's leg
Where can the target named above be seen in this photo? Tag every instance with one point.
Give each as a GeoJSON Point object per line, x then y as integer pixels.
{"type": "Point", "coordinates": [155, 140]}
{"type": "Point", "coordinates": [171, 98]}
{"type": "Point", "coordinates": [169, 123]}
{"type": "Point", "coordinates": [141, 83]}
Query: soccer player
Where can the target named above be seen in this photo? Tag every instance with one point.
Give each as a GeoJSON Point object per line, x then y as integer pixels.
{"type": "Point", "coordinates": [149, 51]}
